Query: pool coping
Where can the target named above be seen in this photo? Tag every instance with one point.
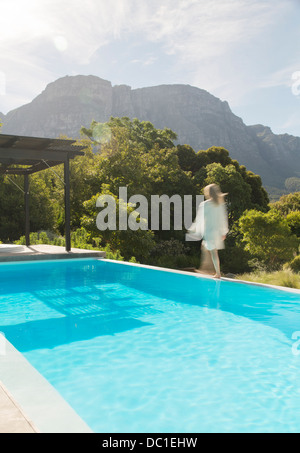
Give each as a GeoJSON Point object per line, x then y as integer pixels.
{"type": "Point", "coordinates": [35, 405]}
{"type": "Point", "coordinates": [47, 252]}
{"type": "Point", "coordinates": [206, 276]}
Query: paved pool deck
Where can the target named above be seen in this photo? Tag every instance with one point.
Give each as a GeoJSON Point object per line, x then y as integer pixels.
{"type": "Point", "coordinates": [12, 418]}
{"type": "Point", "coordinates": [45, 252]}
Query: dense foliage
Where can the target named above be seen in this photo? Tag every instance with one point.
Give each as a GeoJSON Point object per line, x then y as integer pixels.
{"type": "Point", "coordinates": [145, 160]}
{"type": "Point", "coordinates": [268, 237]}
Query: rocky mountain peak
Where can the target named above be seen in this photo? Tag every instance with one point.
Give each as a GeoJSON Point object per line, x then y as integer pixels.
{"type": "Point", "coordinates": [199, 119]}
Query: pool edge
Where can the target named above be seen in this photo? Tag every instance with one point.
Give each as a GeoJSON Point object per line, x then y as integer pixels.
{"type": "Point", "coordinates": [37, 400]}
{"type": "Point", "coordinates": [195, 275]}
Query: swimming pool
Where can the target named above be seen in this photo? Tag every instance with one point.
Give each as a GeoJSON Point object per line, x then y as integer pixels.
{"type": "Point", "coordinates": [138, 349]}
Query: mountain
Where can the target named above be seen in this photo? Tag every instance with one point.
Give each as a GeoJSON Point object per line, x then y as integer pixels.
{"type": "Point", "coordinates": [199, 119]}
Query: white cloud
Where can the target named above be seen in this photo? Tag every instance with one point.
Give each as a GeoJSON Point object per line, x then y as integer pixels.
{"type": "Point", "coordinates": [2, 84]}
{"type": "Point", "coordinates": [205, 28]}
{"type": "Point", "coordinates": [36, 34]}
{"type": "Point", "coordinates": [85, 26]}
{"type": "Point", "coordinates": [149, 60]}
{"type": "Point", "coordinates": [194, 28]}
{"type": "Point", "coordinates": [206, 37]}
{"type": "Point", "coordinates": [288, 77]}
{"type": "Point", "coordinates": [18, 21]}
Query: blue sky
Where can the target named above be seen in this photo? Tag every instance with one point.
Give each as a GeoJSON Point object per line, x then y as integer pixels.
{"type": "Point", "coordinates": [244, 51]}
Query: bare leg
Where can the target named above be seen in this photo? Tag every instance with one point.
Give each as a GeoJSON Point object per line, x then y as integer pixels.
{"type": "Point", "coordinates": [206, 264]}
{"type": "Point", "coordinates": [216, 262]}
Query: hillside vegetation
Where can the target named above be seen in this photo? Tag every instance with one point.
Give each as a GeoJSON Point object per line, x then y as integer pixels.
{"type": "Point", "coordinates": [134, 154]}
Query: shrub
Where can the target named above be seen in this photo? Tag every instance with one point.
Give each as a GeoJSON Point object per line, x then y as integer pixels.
{"type": "Point", "coordinates": [295, 264]}
{"type": "Point", "coordinates": [285, 277]}
{"type": "Point", "coordinates": [172, 247]}
{"type": "Point", "coordinates": [180, 261]}
{"type": "Point", "coordinates": [268, 237]}
{"type": "Point", "coordinates": [293, 220]}
{"type": "Point", "coordinates": [234, 259]}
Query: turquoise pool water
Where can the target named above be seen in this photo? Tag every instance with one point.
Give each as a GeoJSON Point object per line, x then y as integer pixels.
{"type": "Point", "coordinates": [135, 349]}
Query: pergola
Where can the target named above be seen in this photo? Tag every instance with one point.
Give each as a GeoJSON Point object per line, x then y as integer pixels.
{"type": "Point", "coordinates": [27, 155]}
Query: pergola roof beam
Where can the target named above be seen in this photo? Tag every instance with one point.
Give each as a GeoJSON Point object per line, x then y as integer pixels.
{"type": "Point", "coordinates": [36, 154]}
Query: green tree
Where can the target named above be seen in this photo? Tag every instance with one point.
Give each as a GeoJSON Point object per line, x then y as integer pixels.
{"type": "Point", "coordinates": [138, 243]}
{"type": "Point", "coordinates": [293, 220]}
{"type": "Point", "coordinates": [267, 236]}
{"type": "Point", "coordinates": [217, 154]}
{"type": "Point", "coordinates": [292, 184]}
{"type": "Point", "coordinates": [140, 158]}
{"type": "Point", "coordinates": [259, 196]}
{"type": "Point", "coordinates": [287, 203]}
{"type": "Point", "coordinates": [141, 133]}
{"type": "Point", "coordinates": [253, 194]}
{"type": "Point", "coordinates": [231, 182]}
{"type": "Point", "coordinates": [188, 159]}
{"type": "Point", "coordinates": [134, 147]}
{"type": "Point", "coordinates": [12, 207]}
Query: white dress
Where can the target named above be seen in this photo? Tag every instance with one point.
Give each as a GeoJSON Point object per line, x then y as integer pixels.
{"type": "Point", "coordinates": [211, 224]}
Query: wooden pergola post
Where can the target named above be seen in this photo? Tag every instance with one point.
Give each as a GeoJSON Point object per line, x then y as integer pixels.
{"type": "Point", "coordinates": [67, 204]}
{"type": "Point", "coordinates": [27, 217]}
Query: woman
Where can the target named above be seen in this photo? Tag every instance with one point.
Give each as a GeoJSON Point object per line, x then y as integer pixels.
{"type": "Point", "coordinates": [211, 223]}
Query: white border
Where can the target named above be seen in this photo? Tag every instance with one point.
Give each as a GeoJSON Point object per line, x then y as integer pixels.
{"type": "Point", "coordinates": [234, 280]}
{"type": "Point", "coordinates": [37, 399]}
